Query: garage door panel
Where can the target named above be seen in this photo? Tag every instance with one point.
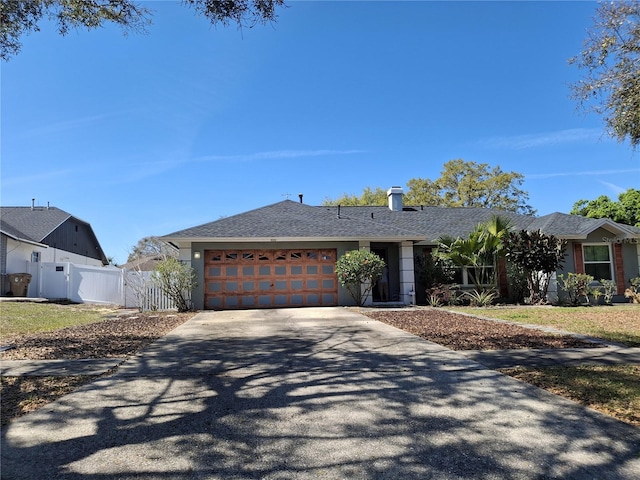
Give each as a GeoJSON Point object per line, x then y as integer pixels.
{"type": "Point", "coordinates": [270, 278]}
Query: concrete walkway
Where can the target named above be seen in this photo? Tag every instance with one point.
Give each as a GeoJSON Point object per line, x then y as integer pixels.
{"type": "Point", "coordinates": [312, 393]}
{"type": "Point", "coordinates": [58, 368]}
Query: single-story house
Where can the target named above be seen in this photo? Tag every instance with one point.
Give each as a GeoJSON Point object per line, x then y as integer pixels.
{"type": "Point", "coordinates": [284, 254]}
{"type": "Point", "coordinates": [29, 235]}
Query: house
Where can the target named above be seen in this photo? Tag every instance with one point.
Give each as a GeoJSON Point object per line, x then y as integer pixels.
{"type": "Point", "coordinates": [284, 254]}
{"type": "Point", "coordinates": [29, 235]}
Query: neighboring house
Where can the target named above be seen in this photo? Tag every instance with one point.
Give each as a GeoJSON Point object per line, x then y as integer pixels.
{"type": "Point", "coordinates": [29, 235]}
{"type": "Point", "coordinates": [146, 263]}
{"type": "Point", "coordinates": [284, 255]}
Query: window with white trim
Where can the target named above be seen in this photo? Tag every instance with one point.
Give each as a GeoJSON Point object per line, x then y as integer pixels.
{"type": "Point", "coordinates": [597, 261]}
{"type": "Point", "coordinates": [464, 276]}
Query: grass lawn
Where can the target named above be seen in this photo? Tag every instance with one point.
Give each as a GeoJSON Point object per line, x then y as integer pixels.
{"type": "Point", "coordinates": [20, 318]}
{"type": "Point", "coordinates": [613, 389]}
{"type": "Point", "coordinates": [619, 323]}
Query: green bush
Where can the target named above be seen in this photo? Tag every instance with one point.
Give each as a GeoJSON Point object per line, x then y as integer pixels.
{"type": "Point", "coordinates": [177, 280]}
{"type": "Point", "coordinates": [576, 286]}
{"type": "Point", "coordinates": [357, 268]}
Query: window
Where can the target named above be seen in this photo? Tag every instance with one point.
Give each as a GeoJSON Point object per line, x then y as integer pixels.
{"type": "Point", "coordinates": [597, 261]}
{"type": "Point", "coordinates": [35, 256]}
{"type": "Point", "coordinates": [465, 276]}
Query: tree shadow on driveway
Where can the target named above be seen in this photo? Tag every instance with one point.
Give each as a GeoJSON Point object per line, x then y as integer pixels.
{"type": "Point", "coordinates": [284, 397]}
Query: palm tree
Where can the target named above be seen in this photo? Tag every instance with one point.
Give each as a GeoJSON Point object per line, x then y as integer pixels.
{"type": "Point", "coordinates": [480, 251]}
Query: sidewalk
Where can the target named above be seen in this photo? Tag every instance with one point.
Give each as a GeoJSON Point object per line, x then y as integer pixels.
{"type": "Point", "coordinates": [493, 359]}
{"type": "Point", "coordinates": [58, 368]}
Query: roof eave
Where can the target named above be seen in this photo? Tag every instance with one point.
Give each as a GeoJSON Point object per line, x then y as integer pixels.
{"type": "Point", "coordinates": [187, 240]}
{"type": "Point", "coordinates": [24, 240]}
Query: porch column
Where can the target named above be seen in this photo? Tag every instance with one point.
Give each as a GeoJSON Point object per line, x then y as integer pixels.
{"type": "Point", "coordinates": [369, 300]}
{"type": "Point", "coordinates": [407, 275]}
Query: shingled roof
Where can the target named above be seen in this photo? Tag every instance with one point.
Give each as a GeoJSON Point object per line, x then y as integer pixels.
{"type": "Point", "coordinates": [31, 224]}
{"type": "Point", "coordinates": [35, 224]}
{"type": "Point", "coordinates": [297, 221]}
{"type": "Point", "coordinates": [289, 219]}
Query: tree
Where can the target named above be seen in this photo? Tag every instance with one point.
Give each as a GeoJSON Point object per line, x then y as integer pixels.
{"type": "Point", "coordinates": [479, 252]}
{"type": "Point", "coordinates": [177, 280]}
{"type": "Point", "coordinates": [358, 268]}
{"type": "Point", "coordinates": [538, 256]}
{"type": "Point", "coordinates": [469, 184]}
{"type": "Point", "coordinates": [377, 196]}
{"type": "Point", "coordinates": [152, 247]}
{"type": "Point", "coordinates": [611, 62]}
{"type": "Point", "coordinates": [21, 17]}
{"type": "Point", "coordinates": [626, 210]}
{"type": "Point", "coordinates": [461, 184]}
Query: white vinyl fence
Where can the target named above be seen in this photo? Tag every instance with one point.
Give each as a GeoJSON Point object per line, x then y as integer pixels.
{"type": "Point", "coordinates": [89, 284]}
{"type": "Point", "coordinates": [139, 292]}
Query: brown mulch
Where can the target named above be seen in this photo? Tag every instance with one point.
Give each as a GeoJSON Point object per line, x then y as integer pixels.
{"type": "Point", "coordinates": [462, 332]}
{"type": "Point", "coordinates": [112, 338]}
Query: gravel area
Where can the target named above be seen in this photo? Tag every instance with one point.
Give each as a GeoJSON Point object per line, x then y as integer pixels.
{"type": "Point", "coordinates": [463, 332]}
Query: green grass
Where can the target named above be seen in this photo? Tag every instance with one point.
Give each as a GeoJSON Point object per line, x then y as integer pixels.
{"type": "Point", "coordinates": [614, 390]}
{"type": "Point", "coordinates": [20, 318]}
{"type": "Point", "coordinates": [618, 323]}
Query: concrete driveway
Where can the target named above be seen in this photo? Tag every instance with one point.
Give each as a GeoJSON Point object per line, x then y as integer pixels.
{"type": "Point", "coordinates": [312, 393]}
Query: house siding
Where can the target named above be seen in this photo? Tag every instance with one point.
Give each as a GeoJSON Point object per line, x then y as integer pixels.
{"type": "Point", "coordinates": [75, 237]}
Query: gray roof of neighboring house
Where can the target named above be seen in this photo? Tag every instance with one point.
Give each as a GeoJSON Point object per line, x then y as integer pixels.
{"type": "Point", "coordinates": [289, 219]}
{"type": "Point", "coordinates": [33, 224]}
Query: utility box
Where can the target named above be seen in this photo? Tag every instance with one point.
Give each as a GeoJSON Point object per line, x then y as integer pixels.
{"type": "Point", "coordinates": [19, 284]}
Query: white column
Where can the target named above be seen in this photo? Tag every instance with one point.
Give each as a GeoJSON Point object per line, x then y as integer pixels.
{"type": "Point", "coordinates": [369, 300]}
{"type": "Point", "coordinates": [407, 276]}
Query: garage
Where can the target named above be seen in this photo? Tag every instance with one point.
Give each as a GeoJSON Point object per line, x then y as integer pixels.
{"type": "Point", "coordinates": [236, 279]}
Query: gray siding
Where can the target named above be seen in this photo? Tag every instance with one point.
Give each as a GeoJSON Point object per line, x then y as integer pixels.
{"type": "Point", "coordinates": [74, 237]}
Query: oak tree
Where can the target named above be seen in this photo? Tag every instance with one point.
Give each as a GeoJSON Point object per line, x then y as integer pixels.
{"type": "Point", "coordinates": [461, 184]}
{"type": "Point", "coordinates": [610, 60]}
{"type": "Point", "coordinates": [626, 210]}
{"type": "Point", "coordinates": [21, 17]}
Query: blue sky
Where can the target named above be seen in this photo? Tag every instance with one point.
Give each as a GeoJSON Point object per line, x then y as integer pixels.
{"type": "Point", "coordinates": [148, 134]}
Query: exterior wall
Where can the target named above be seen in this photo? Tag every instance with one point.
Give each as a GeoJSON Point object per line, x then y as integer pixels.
{"type": "Point", "coordinates": [76, 238]}
{"type": "Point", "coordinates": [625, 257]}
{"type": "Point", "coordinates": [407, 274]}
{"type": "Point", "coordinates": [18, 260]}
{"type": "Point", "coordinates": [187, 254]}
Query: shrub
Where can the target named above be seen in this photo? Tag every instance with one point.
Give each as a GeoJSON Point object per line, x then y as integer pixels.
{"type": "Point", "coordinates": [576, 286]}
{"type": "Point", "coordinates": [481, 298]}
{"type": "Point", "coordinates": [539, 256]}
{"type": "Point", "coordinates": [357, 268]}
{"type": "Point", "coordinates": [442, 294]}
{"type": "Point", "coordinates": [177, 280]}
{"type": "Point", "coordinates": [609, 290]}
{"type": "Point", "coordinates": [633, 292]}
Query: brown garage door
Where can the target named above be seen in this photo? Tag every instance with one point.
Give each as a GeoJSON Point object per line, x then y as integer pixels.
{"type": "Point", "coordinates": [270, 278]}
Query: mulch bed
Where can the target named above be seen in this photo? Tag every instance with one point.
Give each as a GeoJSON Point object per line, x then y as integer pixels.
{"type": "Point", "coordinates": [112, 338]}
{"type": "Point", "coordinates": [462, 332]}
